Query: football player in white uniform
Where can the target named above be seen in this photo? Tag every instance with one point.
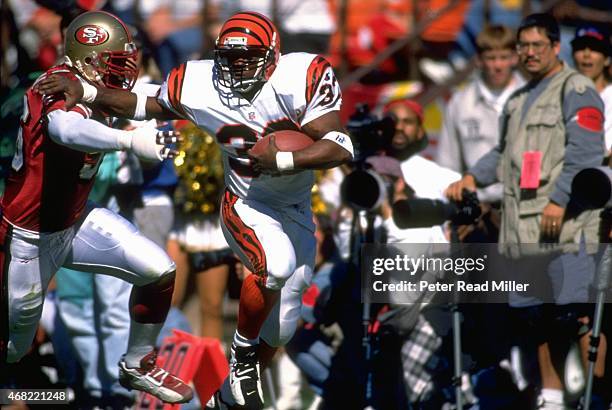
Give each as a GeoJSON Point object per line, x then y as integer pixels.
{"type": "Point", "coordinates": [247, 91]}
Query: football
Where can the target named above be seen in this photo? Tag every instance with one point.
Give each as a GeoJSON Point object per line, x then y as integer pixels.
{"type": "Point", "coordinates": [286, 140]}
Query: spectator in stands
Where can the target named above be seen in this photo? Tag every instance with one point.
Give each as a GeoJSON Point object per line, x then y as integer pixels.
{"type": "Point", "coordinates": [444, 48]}
{"type": "Point", "coordinates": [15, 62]}
{"type": "Point", "coordinates": [174, 28]}
{"type": "Point", "coordinates": [38, 29]}
{"type": "Point", "coordinates": [592, 53]}
{"type": "Point", "coordinates": [504, 12]}
{"type": "Point", "coordinates": [576, 13]}
{"type": "Point", "coordinates": [468, 134]}
{"type": "Point", "coordinates": [389, 22]}
{"type": "Point", "coordinates": [306, 26]}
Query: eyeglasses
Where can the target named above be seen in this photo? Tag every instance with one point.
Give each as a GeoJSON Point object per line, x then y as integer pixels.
{"type": "Point", "coordinates": [537, 47]}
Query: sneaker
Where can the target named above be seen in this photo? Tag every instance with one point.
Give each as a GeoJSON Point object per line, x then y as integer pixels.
{"type": "Point", "coordinates": [244, 377]}
{"type": "Point", "coordinates": [154, 380]}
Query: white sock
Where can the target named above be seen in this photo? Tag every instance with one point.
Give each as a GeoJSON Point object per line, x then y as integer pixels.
{"type": "Point", "coordinates": [141, 341]}
{"type": "Point", "coordinates": [289, 384]}
{"type": "Point", "coordinates": [553, 396]}
{"type": "Point", "coordinates": [242, 341]}
{"type": "Point", "coordinates": [553, 399]}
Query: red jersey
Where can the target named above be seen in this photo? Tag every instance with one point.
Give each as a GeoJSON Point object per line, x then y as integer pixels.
{"type": "Point", "coordinates": [49, 183]}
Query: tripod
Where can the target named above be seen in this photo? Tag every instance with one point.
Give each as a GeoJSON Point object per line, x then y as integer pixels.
{"type": "Point", "coordinates": [457, 349]}
{"type": "Point", "coordinates": [602, 285]}
{"type": "Point", "coordinates": [364, 236]}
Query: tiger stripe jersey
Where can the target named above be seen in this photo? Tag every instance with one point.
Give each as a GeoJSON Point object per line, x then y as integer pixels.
{"type": "Point", "coordinates": [175, 82]}
{"type": "Point", "coordinates": [302, 88]}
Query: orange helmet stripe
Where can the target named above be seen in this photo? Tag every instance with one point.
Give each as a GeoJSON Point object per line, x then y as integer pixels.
{"type": "Point", "coordinates": [256, 26]}
{"type": "Point", "coordinates": [263, 21]}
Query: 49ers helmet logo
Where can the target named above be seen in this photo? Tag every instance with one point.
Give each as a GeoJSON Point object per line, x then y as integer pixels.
{"type": "Point", "coordinates": [91, 35]}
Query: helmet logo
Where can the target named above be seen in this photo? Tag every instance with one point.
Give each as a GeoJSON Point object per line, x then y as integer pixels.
{"type": "Point", "coordinates": [235, 41]}
{"type": "Point", "coordinates": [91, 35]}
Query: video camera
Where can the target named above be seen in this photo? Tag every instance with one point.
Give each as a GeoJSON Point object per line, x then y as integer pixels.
{"type": "Point", "coordinates": [365, 189]}
{"type": "Point", "coordinates": [369, 133]}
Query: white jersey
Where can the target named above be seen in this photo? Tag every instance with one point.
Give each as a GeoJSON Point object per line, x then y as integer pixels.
{"type": "Point", "coordinates": [302, 88]}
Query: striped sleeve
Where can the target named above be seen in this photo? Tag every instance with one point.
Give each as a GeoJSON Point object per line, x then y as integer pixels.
{"type": "Point", "coordinates": [322, 90]}
{"type": "Point", "coordinates": [171, 91]}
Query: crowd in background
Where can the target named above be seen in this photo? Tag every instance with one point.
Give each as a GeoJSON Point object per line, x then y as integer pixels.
{"type": "Point", "coordinates": [437, 44]}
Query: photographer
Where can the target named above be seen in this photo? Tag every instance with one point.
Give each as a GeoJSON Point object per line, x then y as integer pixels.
{"type": "Point", "coordinates": [408, 140]}
{"type": "Point", "coordinates": [551, 129]}
{"type": "Point", "coordinates": [420, 339]}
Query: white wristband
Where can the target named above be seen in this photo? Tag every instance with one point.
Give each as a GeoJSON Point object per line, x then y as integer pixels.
{"type": "Point", "coordinates": [89, 92]}
{"type": "Point", "coordinates": [140, 112]}
{"type": "Point", "coordinates": [284, 160]}
{"type": "Point", "coordinates": [341, 139]}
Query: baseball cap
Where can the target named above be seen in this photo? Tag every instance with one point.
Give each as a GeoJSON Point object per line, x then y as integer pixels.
{"type": "Point", "coordinates": [410, 104]}
{"type": "Point", "coordinates": [594, 38]}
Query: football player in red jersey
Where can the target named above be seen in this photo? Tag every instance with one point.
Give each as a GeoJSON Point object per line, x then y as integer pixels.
{"type": "Point", "coordinates": [247, 91]}
{"type": "Point", "coordinates": [47, 221]}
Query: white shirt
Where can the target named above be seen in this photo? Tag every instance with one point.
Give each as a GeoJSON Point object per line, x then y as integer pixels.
{"type": "Point", "coordinates": [471, 128]}
{"type": "Point", "coordinates": [428, 180]}
{"type": "Point", "coordinates": [606, 96]}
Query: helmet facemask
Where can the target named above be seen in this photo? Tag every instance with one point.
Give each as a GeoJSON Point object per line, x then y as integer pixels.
{"type": "Point", "coordinates": [121, 68]}
{"type": "Point", "coordinates": [113, 69]}
{"type": "Point", "coordinates": [243, 69]}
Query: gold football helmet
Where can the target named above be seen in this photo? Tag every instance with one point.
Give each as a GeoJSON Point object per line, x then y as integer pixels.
{"type": "Point", "coordinates": [100, 47]}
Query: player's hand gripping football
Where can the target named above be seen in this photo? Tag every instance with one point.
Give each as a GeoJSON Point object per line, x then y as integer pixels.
{"type": "Point", "coordinates": [72, 88]}
{"type": "Point", "coordinates": [265, 162]}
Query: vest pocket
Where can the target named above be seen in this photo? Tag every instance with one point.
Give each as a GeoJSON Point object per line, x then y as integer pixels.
{"type": "Point", "coordinates": [543, 132]}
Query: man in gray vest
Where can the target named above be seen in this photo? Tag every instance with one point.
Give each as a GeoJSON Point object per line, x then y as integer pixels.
{"type": "Point", "coordinates": [550, 129]}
